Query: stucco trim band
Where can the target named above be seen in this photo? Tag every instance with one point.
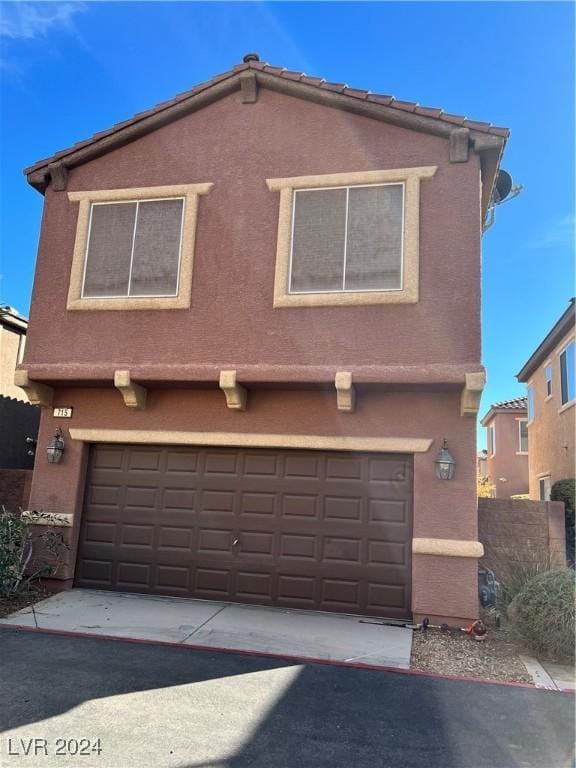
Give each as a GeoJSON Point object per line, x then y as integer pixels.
{"type": "Point", "coordinates": [408, 294]}
{"type": "Point", "coordinates": [447, 547]}
{"type": "Point", "coordinates": [253, 440]}
{"type": "Point", "coordinates": [191, 194]}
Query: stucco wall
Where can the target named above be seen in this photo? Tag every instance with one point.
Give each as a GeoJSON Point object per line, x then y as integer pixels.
{"type": "Point", "coordinates": [551, 434]}
{"type": "Point", "coordinates": [522, 530]}
{"type": "Point", "coordinates": [237, 146]}
{"type": "Point", "coordinates": [9, 345]}
{"type": "Point", "coordinates": [507, 469]}
{"type": "Point", "coordinates": [441, 509]}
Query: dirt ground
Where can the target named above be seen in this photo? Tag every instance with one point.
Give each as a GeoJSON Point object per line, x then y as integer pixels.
{"type": "Point", "coordinates": [21, 601]}
{"type": "Point", "coordinates": [455, 653]}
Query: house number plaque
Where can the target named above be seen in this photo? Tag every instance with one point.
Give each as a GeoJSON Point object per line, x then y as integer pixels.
{"type": "Point", "coordinates": [63, 413]}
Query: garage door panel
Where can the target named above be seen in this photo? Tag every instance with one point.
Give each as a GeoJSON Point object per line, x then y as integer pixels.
{"type": "Point", "coordinates": [307, 529]}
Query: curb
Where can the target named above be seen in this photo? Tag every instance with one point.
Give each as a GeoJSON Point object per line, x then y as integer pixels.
{"type": "Point", "coordinates": [278, 656]}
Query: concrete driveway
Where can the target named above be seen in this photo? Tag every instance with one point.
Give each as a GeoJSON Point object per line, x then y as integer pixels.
{"type": "Point", "coordinates": [173, 707]}
{"type": "Point", "coordinates": [201, 623]}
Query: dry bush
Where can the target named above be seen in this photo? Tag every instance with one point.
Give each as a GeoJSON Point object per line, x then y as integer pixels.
{"type": "Point", "coordinates": [514, 567]}
{"type": "Point", "coordinates": [543, 612]}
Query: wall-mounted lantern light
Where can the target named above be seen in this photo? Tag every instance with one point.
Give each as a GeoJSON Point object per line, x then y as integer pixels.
{"type": "Point", "coordinates": [55, 448]}
{"type": "Point", "coordinates": [444, 463]}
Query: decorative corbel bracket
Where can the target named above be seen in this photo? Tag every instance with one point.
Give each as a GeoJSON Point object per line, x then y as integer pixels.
{"type": "Point", "coordinates": [134, 394]}
{"type": "Point", "coordinates": [248, 88]}
{"type": "Point", "coordinates": [235, 393]}
{"type": "Point", "coordinates": [58, 176]}
{"type": "Point", "coordinates": [459, 145]}
{"type": "Point", "coordinates": [37, 393]}
{"type": "Point", "coordinates": [345, 392]}
{"type": "Point", "coordinates": [471, 394]}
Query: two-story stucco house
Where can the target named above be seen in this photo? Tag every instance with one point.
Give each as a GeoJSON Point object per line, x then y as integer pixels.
{"type": "Point", "coordinates": [550, 377]}
{"type": "Point", "coordinates": [506, 462]}
{"type": "Point", "coordinates": [261, 301]}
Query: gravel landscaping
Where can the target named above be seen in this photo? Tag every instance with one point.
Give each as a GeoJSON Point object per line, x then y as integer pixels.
{"type": "Point", "coordinates": [455, 653]}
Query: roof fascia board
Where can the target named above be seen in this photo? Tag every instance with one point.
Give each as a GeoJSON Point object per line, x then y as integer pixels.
{"type": "Point", "coordinates": [542, 351]}
{"type": "Point", "coordinates": [39, 176]}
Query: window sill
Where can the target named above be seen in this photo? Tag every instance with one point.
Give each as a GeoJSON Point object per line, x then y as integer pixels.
{"type": "Point", "coordinates": [521, 453]}
{"type": "Point", "coordinates": [566, 406]}
{"type": "Point", "coordinates": [126, 304]}
{"type": "Point", "coordinates": [356, 298]}
{"type": "Point", "coordinates": [548, 397]}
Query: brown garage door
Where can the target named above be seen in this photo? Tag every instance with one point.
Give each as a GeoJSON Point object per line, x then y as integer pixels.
{"type": "Point", "coordinates": [308, 529]}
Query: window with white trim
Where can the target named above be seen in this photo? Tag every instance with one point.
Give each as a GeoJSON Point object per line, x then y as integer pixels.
{"type": "Point", "coordinates": [347, 239]}
{"type": "Point", "coordinates": [523, 436]}
{"type": "Point", "coordinates": [491, 439]}
{"type": "Point", "coordinates": [531, 410]}
{"type": "Point", "coordinates": [548, 379]}
{"type": "Point", "coordinates": [567, 374]}
{"type": "Point", "coordinates": [133, 248]}
{"type": "Point", "coordinates": [545, 488]}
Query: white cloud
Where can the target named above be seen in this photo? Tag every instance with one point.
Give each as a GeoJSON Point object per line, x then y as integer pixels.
{"type": "Point", "coordinates": [27, 21]}
{"type": "Point", "coordinates": [559, 232]}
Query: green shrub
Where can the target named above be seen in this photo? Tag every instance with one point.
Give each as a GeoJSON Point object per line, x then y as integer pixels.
{"type": "Point", "coordinates": [565, 490]}
{"type": "Point", "coordinates": [24, 558]}
{"type": "Point", "coordinates": [542, 613]}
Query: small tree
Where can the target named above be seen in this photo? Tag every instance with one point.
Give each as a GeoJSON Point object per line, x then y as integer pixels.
{"type": "Point", "coordinates": [24, 558]}
{"type": "Point", "coordinates": [483, 488]}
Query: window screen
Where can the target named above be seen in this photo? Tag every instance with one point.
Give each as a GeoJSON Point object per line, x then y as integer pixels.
{"type": "Point", "coordinates": [567, 374]}
{"type": "Point", "coordinates": [523, 436]}
{"type": "Point", "coordinates": [347, 239]}
{"type": "Point", "coordinates": [134, 249]}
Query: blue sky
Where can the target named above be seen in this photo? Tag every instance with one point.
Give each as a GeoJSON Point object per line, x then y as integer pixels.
{"type": "Point", "coordinates": [68, 70]}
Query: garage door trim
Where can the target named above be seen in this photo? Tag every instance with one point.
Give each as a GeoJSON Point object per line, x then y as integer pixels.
{"type": "Point", "coordinates": [254, 440]}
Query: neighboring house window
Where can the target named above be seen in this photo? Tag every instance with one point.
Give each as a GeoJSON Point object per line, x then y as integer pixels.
{"type": "Point", "coordinates": [348, 238]}
{"type": "Point", "coordinates": [134, 247]}
{"type": "Point", "coordinates": [523, 436]}
{"type": "Point", "coordinates": [492, 440]}
{"type": "Point", "coordinates": [548, 377]}
{"type": "Point", "coordinates": [545, 487]}
{"type": "Point", "coordinates": [567, 374]}
{"type": "Point", "coordinates": [531, 411]}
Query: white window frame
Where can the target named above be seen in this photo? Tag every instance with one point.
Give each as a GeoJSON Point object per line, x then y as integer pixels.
{"type": "Point", "coordinates": [342, 290]}
{"type": "Point", "coordinates": [561, 352]}
{"type": "Point", "coordinates": [548, 375]}
{"type": "Point", "coordinates": [547, 480]}
{"type": "Point", "coordinates": [137, 203]}
{"type": "Point", "coordinates": [520, 452]}
{"type": "Point", "coordinates": [491, 440]}
{"type": "Point", "coordinates": [531, 402]}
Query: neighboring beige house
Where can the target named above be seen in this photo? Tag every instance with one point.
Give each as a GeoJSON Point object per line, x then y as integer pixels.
{"type": "Point", "coordinates": [13, 329]}
{"type": "Point", "coordinates": [506, 460]}
{"type": "Point", "coordinates": [550, 378]}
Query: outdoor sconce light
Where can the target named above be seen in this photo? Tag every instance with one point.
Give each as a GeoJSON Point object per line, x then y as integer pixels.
{"type": "Point", "coordinates": [444, 463]}
{"type": "Point", "coordinates": [55, 448]}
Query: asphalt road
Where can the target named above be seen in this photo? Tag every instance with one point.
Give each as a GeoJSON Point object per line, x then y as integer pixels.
{"type": "Point", "coordinates": [116, 704]}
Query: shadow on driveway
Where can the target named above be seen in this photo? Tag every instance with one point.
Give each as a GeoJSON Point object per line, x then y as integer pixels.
{"type": "Point", "coordinates": [181, 708]}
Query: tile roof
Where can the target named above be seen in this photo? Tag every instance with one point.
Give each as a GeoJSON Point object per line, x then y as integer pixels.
{"type": "Point", "coordinates": [391, 102]}
{"type": "Point", "coordinates": [518, 403]}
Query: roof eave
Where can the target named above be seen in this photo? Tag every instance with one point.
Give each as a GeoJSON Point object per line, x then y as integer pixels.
{"type": "Point", "coordinates": [550, 341]}
{"type": "Point", "coordinates": [489, 146]}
